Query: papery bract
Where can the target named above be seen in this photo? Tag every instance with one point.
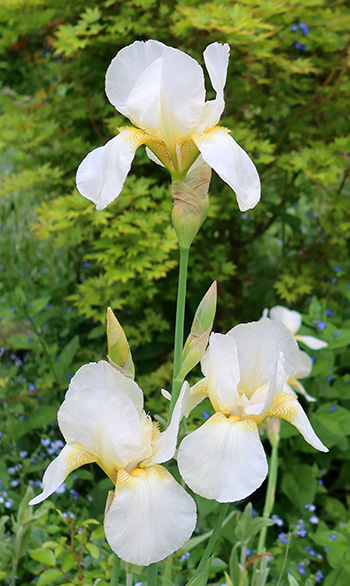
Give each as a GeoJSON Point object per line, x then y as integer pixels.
{"type": "Point", "coordinates": [161, 90]}
{"type": "Point", "coordinates": [149, 515]}
{"type": "Point", "coordinates": [245, 372]}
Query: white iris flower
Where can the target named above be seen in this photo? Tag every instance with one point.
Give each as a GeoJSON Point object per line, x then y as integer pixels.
{"type": "Point", "coordinates": [149, 515]}
{"type": "Point", "coordinates": [245, 374]}
{"type": "Point", "coordinates": [292, 319]}
{"type": "Point", "coordinates": [161, 90]}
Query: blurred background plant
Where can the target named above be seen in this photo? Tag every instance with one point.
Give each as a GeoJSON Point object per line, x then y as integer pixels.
{"type": "Point", "coordinates": [62, 263]}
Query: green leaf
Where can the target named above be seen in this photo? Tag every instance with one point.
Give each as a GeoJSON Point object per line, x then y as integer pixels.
{"type": "Point", "coordinates": [93, 550]}
{"type": "Point", "coordinates": [48, 576]}
{"type": "Point", "coordinates": [202, 578]}
{"type": "Point", "coordinates": [44, 556]}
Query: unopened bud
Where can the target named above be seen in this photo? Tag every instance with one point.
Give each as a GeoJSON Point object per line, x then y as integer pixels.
{"type": "Point", "coordinates": [191, 203]}
{"type": "Point", "coordinates": [273, 425]}
{"type": "Point", "coordinates": [197, 340]}
{"type": "Point", "coordinates": [119, 354]}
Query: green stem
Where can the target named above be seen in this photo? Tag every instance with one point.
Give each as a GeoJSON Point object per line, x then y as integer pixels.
{"type": "Point", "coordinates": [167, 571]}
{"type": "Point", "coordinates": [270, 494]}
{"type": "Point", "coordinates": [128, 578]}
{"type": "Point", "coordinates": [211, 543]}
{"type": "Point", "coordinates": [115, 571]}
{"type": "Point", "coordinates": [179, 326]}
{"type": "Point", "coordinates": [152, 575]}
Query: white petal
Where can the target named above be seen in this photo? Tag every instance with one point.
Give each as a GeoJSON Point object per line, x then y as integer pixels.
{"type": "Point", "coordinates": [303, 367]}
{"type": "Point", "coordinates": [216, 60]}
{"type": "Point", "coordinates": [223, 459]}
{"type": "Point", "coordinates": [153, 157]}
{"type": "Point", "coordinates": [166, 442]}
{"type": "Point", "coordinates": [69, 459]}
{"type": "Point", "coordinates": [277, 382]}
{"type": "Point", "coordinates": [168, 98]}
{"type": "Point", "coordinates": [101, 374]}
{"type": "Point", "coordinates": [311, 342]}
{"type": "Point", "coordinates": [287, 407]}
{"type": "Point", "coordinates": [198, 393]}
{"type": "Point", "coordinates": [232, 164]}
{"type": "Point", "coordinates": [258, 344]}
{"type": "Point", "coordinates": [289, 317]}
{"type": "Point", "coordinates": [221, 368]}
{"type": "Point", "coordinates": [299, 388]}
{"type": "Point", "coordinates": [101, 175]}
{"type": "Point", "coordinates": [105, 422]}
{"type": "Point", "coordinates": [150, 517]}
{"type": "Point", "coordinates": [126, 68]}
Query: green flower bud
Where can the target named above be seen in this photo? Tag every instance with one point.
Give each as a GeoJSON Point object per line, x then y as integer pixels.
{"type": "Point", "coordinates": [119, 354]}
{"type": "Point", "coordinates": [191, 203]}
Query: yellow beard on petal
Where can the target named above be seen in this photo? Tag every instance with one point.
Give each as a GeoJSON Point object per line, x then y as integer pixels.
{"type": "Point", "coordinates": [283, 406]}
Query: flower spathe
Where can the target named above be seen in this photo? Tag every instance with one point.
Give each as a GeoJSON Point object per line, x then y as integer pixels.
{"type": "Point", "coordinates": [161, 90]}
{"type": "Point", "coordinates": [245, 374]}
{"type": "Point", "coordinates": [149, 515]}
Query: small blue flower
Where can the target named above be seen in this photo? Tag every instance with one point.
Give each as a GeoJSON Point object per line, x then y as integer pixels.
{"type": "Point", "coordinates": [302, 532]}
{"type": "Point", "coordinates": [314, 520]}
{"type": "Point", "coordinates": [294, 28]}
{"type": "Point", "coordinates": [23, 454]}
{"type": "Point", "coordinates": [301, 568]}
{"type": "Point", "coordinates": [31, 387]}
{"type": "Point", "coordinates": [333, 408]}
{"type": "Point", "coordinates": [329, 312]}
{"type": "Point", "coordinates": [319, 576]}
{"type": "Point", "coordinates": [333, 536]}
{"type": "Point", "coordinates": [300, 46]}
{"type": "Point", "coordinates": [329, 378]}
{"type": "Point", "coordinates": [30, 339]}
{"type": "Point", "coordinates": [320, 482]}
{"type": "Point", "coordinates": [283, 538]}
{"type": "Point", "coordinates": [205, 415]}
{"type": "Point", "coordinates": [68, 376]}
{"type": "Point", "coordinates": [277, 520]}
{"type": "Point", "coordinates": [304, 28]}
{"type": "Point", "coordinates": [85, 265]}
{"type": "Point", "coordinates": [312, 552]}
{"type": "Point", "coordinates": [336, 334]}
{"type": "Point", "coordinates": [310, 508]}
{"type": "Point", "coordinates": [183, 558]}
{"type": "Point", "coordinates": [348, 285]}
{"type": "Point", "coordinates": [321, 325]}
{"type": "Point", "coordinates": [13, 309]}
{"type": "Point", "coordinates": [337, 269]}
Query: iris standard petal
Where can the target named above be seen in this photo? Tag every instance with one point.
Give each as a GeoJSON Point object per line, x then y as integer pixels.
{"type": "Point", "coordinates": [231, 163]}
{"type": "Point", "coordinates": [126, 68]}
{"type": "Point", "coordinates": [258, 344]}
{"type": "Point", "coordinates": [289, 317]}
{"type": "Point", "coordinates": [101, 175]}
{"type": "Point", "coordinates": [105, 422]}
{"type": "Point", "coordinates": [288, 407]}
{"type": "Point", "coordinates": [98, 375]}
{"type": "Point", "coordinates": [69, 459]}
{"type": "Point", "coordinates": [150, 517]}
{"type": "Point", "coordinates": [224, 459]}
{"type": "Point", "coordinates": [165, 444]}
{"type": "Point", "coordinates": [216, 58]}
{"type": "Point", "coordinates": [221, 368]}
{"type": "Point", "coordinates": [311, 342]}
{"type": "Point", "coordinates": [168, 98]}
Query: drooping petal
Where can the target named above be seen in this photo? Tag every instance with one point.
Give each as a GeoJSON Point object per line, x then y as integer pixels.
{"type": "Point", "coordinates": [221, 369]}
{"type": "Point", "coordinates": [105, 422]}
{"type": "Point", "coordinates": [216, 58]}
{"type": "Point", "coordinates": [311, 342]}
{"type": "Point", "coordinates": [258, 344]}
{"type": "Point", "coordinates": [126, 68]}
{"type": "Point", "coordinates": [96, 375]}
{"type": "Point", "coordinates": [289, 317]}
{"type": "Point", "coordinates": [223, 459]}
{"type": "Point", "coordinates": [288, 407]}
{"type": "Point", "coordinates": [232, 164]}
{"type": "Point", "coordinates": [150, 517]}
{"type": "Point", "coordinates": [167, 100]}
{"type": "Point", "coordinates": [69, 459]}
{"type": "Point", "coordinates": [303, 367]}
{"type": "Point", "coordinates": [165, 444]}
{"type": "Point", "coordinates": [101, 175]}
{"type": "Point", "coordinates": [198, 393]}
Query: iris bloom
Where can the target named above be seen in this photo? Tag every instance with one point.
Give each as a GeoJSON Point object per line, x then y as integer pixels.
{"type": "Point", "coordinates": [161, 90]}
{"type": "Point", "coordinates": [149, 515]}
{"type": "Point", "coordinates": [292, 319]}
{"type": "Point", "coordinates": [245, 374]}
